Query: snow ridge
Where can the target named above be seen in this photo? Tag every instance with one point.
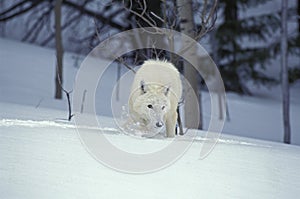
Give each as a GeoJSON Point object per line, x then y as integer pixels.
{"type": "Point", "coordinates": [110, 130]}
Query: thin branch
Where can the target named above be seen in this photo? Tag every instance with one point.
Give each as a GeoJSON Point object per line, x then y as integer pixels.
{"type": "Point", "coordinates": [121, 60]}
{"type": "Point", "coordinates": [14, 7]}
{"type": "Point", "coordinates": [38, 23]}
{"type": "Point", "coordinates": [165, 13]}
{"type": "Point", "coordinates": [70, 115]}
{"type": "Point", "coordinates": [36, 32]}
{"type": "Point", "coordinates": [140, 15]}
{"type": "Point", "coordinates": [204, 12]}
{"type": "Point", "coordinates": [205, 21]}
{"type": "Point", "coordinates": [158, 17]}
{"type": "Point", "coordinates": [5, 18]}
{"type": "Point", "coordinates": [67, 24]}
{"type": "Point", "coordinates": [118, 83]}
{"type": "Point", "coordinates": [204, 28]}
{"type": "Point", "coordinates": [144, 7]}
{"type": "Point", "coordinates": [213, 11]}
{"type": "Point", "coordinates": [96, 15]}
{"type": "Point", "coordinates": [82, 101]}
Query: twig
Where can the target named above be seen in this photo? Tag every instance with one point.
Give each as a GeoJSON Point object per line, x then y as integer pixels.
{"type": "Point", "coordinates": [96, 15]}
{"type": "Point", "coordinates": [67, 94]}
{"type": "Point", "coordinates": [67, 24]}
{"type": "Point", "coordinates": [82, 101]}
{"type": "Point", "coordinates": [118, 83]}
{"type": "Point", "coordinates": [39, 103]}
{"type": "Point", "coordinates": [121, 60]}
{"type": "Point", "coordinates": [38, 23]}
{"type": "Point", "coordinates": [3, 16]}
{"type": "Point", "coordinates": [141, 15]}
{"type": "Point", "coordinates": [158, 17]}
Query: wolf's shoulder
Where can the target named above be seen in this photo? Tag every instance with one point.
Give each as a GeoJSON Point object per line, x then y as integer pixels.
{"type": "Point", "coordinates": [156, 63]}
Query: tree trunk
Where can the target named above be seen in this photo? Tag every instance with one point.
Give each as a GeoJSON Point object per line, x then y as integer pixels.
{"type": "Point", "coordinates": [214, 47]}
{"type": "Point", "coordinates": [3, 23]}
{"type": "Point", "coordinates": [298, 11]}
{"type": "Point", "coordinates": [59, 51]}
{"type": "Point", "coordinates": [187, 26]}
{"type": "Point", "coordinates": [284, 77]}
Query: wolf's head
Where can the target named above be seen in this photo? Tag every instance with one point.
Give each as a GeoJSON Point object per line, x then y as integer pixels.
{"type": "Point", "coordinates": [151, 105]}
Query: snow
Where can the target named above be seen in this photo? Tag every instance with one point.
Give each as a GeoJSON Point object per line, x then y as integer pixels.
{"type": "Point", "coordinates": [42, 155]}
{"type": "Point", "coordinates": [45, 159]}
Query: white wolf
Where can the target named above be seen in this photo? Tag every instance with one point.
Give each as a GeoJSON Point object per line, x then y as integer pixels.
{"type": "Point", "coordinates": [155, 93]}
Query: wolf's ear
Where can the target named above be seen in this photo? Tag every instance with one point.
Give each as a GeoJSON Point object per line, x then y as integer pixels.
{"type": "Point", "coordinates": [167, 90]}
{"type": "Point", "coordinates": [143, 87]}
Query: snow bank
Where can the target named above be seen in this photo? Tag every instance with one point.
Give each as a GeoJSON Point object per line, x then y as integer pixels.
{"type": "Point", "coordinates": [45, 159]}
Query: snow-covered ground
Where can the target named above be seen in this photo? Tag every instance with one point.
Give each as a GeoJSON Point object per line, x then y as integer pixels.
{"type": "Point", "coordinates": [42, 155]}
{"type": "Point", "coordinates": [45, 159]}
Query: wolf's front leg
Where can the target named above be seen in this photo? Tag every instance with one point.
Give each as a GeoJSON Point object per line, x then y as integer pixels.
{"type": "Point", "coordinates": [171, 124]}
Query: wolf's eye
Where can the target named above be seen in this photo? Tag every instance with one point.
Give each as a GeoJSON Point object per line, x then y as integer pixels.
{"type": "Point", "coordinates": [163, 107]}
{"type": "Point", "coordinates": [150, 106]}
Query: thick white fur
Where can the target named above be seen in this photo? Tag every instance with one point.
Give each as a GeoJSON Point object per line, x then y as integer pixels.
{"type": "Point", "coordinates": [161, 88]}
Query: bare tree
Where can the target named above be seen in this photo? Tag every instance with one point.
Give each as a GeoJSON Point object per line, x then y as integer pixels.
{"type": "Point", "coordinates": [284, 73]}
{"type": "Point", "coordinates": [298, 12]}
{"type": "Point", "coordinates": [187, 26]}
{"type": "Point", "coordinates": [59, 51]}
{"type": "Point", "coordinates": [39, 24]}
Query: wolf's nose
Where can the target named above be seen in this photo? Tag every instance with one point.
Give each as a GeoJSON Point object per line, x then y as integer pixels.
{"type": "Point", "coordinates": [159, 124]}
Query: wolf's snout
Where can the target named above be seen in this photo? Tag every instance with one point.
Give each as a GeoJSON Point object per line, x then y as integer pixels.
{"type": "Point", "coordinates": [159, 124]}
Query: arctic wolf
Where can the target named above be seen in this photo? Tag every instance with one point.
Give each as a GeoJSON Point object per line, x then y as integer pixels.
{"type": "Point", "coordinates": [155, 93]}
